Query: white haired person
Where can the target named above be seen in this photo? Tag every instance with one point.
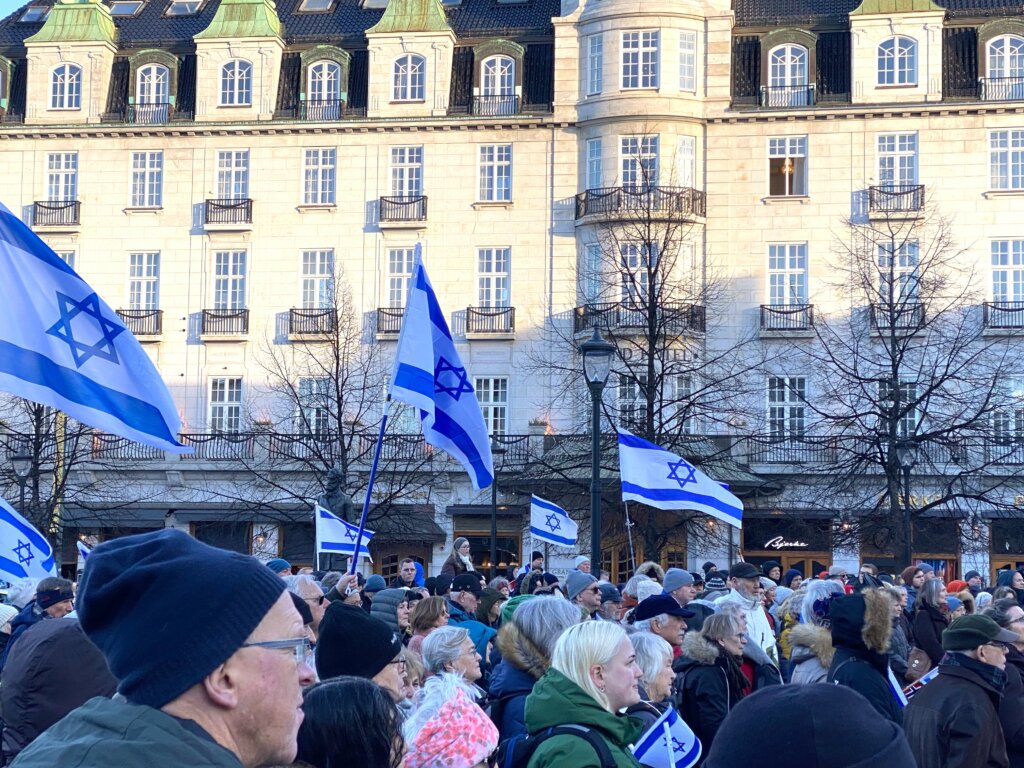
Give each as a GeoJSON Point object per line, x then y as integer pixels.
{"type": "Point", "coordinates": [810, 641]}
{"type": "Point", "coordinates": [593, 675]}
{"type": "Point", "coordinates": [654, 657]}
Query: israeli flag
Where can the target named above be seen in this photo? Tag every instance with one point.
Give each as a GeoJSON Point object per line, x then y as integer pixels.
{"type": "Point", "coordinates": [549, 522]}
{"type": "Point", "coordinates": [669, 743]}
{"type": "Point", "coordinates": [83, 549]}
{"type": "Point", "coordinates": [62, 346]}
{"type": "Point", "coordinates": [335, 536]}
{"type": "Point", "coordinates": [430, 376]}
{"type": "Point", "coordinates": [660, 479]}
{"type": "Point", "coordinates": [24, 551]}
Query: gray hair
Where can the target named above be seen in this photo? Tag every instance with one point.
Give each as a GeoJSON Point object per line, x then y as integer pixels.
{"type": "Point", "coordinates": [928, 594]}
{"type": "Point", "coordinates": [651, 653]}
{"type": "Point", "coordinates": [999, 611]}
{"type": "Point", "coordinates": [818, 589]}
{"type": "Point", "coordinates": [330, 580]}
{"type": "Point", "coordinates": [720, 626]}
{"type": "Point", "coordinates": [543, 620]}
{"type": "Point", "coordinates": [292, 583]}
{"type": "Point", "coordinates": [982, 600]}
{"type": "Point", "coordinates": [645, 624]}
{"type": "Point", "coordinates": [633, 583]}
{"type": "Point", "coordinates": [442, 647]}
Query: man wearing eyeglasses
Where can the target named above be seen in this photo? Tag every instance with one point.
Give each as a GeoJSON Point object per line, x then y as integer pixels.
{"type": "Point", "coordinates": [583, 590]}
{"type": "Point", "coordinates": [205, 678]}
{"type": "Point", "coordinates": [953, 721]}
{"type": "Point", "coordinates": [313, 596]}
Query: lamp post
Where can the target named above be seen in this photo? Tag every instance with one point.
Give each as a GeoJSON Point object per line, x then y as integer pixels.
{"type": "Point", "coordinates": [497, 449]}
{"type": "Point", "coordinates": [22, 464]}
{"type": "Point", "coordinates": [597, 361]}
{"type": "Point", "coordinates": [906, 454]}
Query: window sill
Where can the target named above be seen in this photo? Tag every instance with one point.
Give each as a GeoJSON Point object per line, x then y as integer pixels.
{"type": "Point", "coordinates": [992, 193]}
{"type": "Point", "coordinates": [313, 208]}
{"type": "Point", "coordinates": [234, 106]}
{"type": "Point", "coordinates": [484, 204]}
{"type": "Point", "coordinates": [897, 87]}
{"type": "Point", "coordinates": [640, 89]}
{"type": "Point", "coordinates": [144, 209]}
{"type": "Point", "coordinates": [64, 109]}
{"type": "Point", "coordinates": [782, 199]}
{"type": "Point", "coordinates": [408, 101]}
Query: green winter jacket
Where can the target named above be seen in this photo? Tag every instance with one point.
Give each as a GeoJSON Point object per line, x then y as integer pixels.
{"type": "Point", "coordinates": [556, 700]}
{"type": "Point", "coordinates": [111, 733]}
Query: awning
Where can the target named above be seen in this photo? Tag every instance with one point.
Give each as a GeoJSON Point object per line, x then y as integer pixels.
{"type": "Point", "coordinates": [415, 525]}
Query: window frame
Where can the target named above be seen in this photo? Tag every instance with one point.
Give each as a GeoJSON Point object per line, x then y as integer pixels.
{"type": "Point", "coordinates": [147, 187]}
{"type": "Point", "coordinates": [640, 161]}
{"type": "Point", "coordinates": [492, 171]}
{"type": "Point", "coordinates": [903, 145]}
{"type": "Point", "coordinates": [794, 149]}
{"type": "Point", "coordinates": [492, 394]}
{"type": "Point", "coordinates": [896, 62]}
{"type": "Point", "coordinates": [236, 83]}
{"type": "Point", "coordinates": [787, 269]}
{"type": "Point", "coordinates": [229, 289]}
{"type": "Point", "coordinates": [316, 278]}
{"type": "Point", "coordinates": [687, 61]}
{"type": "Point", "coordinates": [319, 176]}
{"type": "Point", "coordinates": [66, 88]}
{"type": "Point", "coordinates": [409, 79]}
{"type": "Point", "coordinates": [1006, 257]}
{"type": "Point", "coordinates": [405, 166]}
{"type": "Point", "coordinates": [144, 280]}
{"type": "Point", "coordinates": [62, 176]}
{"type": "Point", "coordinates": [1012, 179]}
{"type": "Point", "coordinates": [399, 268]}
{"type": "Point", "coordinates": [313, 412]}
{"type": "Point", "coordinates": [640, 59]}
{"type": "Point", "coordinates": [595, 64]}
{"type": "Point", "coordinates": [494, 277]}
{"type": "Point", "coordinates": [233, 174]}
{"type": "Point", "coordinates": [786, 407]}
{"type": "Point", "coordinates": [225, 406]}
{"type": "Point", "coordinates": [594, 160]}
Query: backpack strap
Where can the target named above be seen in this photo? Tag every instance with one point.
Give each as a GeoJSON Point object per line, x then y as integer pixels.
{"type": "Point", "coordinates": [593, 738]}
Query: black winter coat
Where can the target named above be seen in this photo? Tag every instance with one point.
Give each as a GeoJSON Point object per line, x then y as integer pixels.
{"type": "Point", "coordinates": [1011, 708]}
{"type": "Point", "coordinates": [856, 670]}
{"type": "Point", "coordinates": [953, 722]}
{"type": "Point", "coordinates": [702, 692]}
{"type": "Point", "coordinates": [929, 623]}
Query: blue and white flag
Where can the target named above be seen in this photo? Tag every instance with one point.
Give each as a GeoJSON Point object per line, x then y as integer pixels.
{"type": "Point", "coordinates": [895, 688]}
{"type": "Point", "coordinates": [549, 522]}
{"type": "Point", "coordinates": [24, 551]}
{"type": "Point", "coordinates": [669, 743]}
{"type": "Point", "coordinates": [336, 537]}
{"type": "Point", "coordinates": [83, 549]}
{"type": "Point", "coordinates": [62, 346]}
{"type": "Point", "coordinates": [661, 479]}
{"type": "Point", "coordinates": [430, 376]}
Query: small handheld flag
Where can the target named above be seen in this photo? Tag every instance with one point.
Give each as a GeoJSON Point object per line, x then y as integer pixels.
{"type": "Point", "coordinates": [24, 551]}
{"type": "Point", "coordinates": [669, 743]}
{"type": "Point", "coordinates": [550, 523]}
{"type": "Point", "coordinates": [335, 536]}
{"type": "Point", "coordinates": [663, 480]}
{"type": "Point", "coordinates": [83, 549]}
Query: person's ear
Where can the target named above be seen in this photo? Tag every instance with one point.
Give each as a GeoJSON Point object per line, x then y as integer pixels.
{"type": "Point", "coordinates": [221, 685]}
{"type": "Point", "coordinates": [597, 676]}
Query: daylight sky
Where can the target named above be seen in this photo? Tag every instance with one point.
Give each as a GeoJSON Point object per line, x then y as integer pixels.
{"type": "Point", "coordinates": [7, 6]}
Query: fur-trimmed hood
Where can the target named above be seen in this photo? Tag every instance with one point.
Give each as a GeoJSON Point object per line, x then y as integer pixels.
{"type": "Point", "coordinates": [810, 641]}
{"type": "Point", "coordinates": [519, 651]}
{"type": "Point", "coordinates": [863, 620]}
{"type": "Point", "coordinates": [698, 650]}
{"type": "Point", "coordinates": [650, 564]}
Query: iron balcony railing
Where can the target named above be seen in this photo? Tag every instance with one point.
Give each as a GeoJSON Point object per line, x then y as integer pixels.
{"type": "Point", "coordinates": [148, 114]}
{"type": "Point", "coordinates": [1005, 449]}
{"type": "Point", "coordinates": [615, 314]}
{"type": "Point", "coordinates": [56, 213]}
{"type": "Point", "coordinates": [782, 96]}
{"type": "Point", "coordinates": [793, 449]}
{"type": "Point", "coordinates": [640, 202]}
{"type": "Point", "coordinates": [322, 109]}
{"type": "Point", "coordinates": [389, 320]}
{"type": "Point", "coordinates": [219, 446]}
{"type": "Point", "coordinates": [896, 198]}
{"type": "Point", "coordinates": [226, 211]}
{"type": "Point", "coordinates": [495, 105]}
{"type": "Point", "coordinates": [1002, 88]}
{"type": "Point", "coordinates": [115, 448]}
{"type": "Point", "coordinates": [225, 322]}
{"type": "Point", "coordinates": [403, 208]}
{"type": "Point", "coordinates": [143, 322]}
{"type": "Point", "coordinates": [788, 317]}
{"type": "Point", "coordinates": [313, 322]}
{"type": "Point", "coordinates": [1004, 314]}
{"type": "Point", "coordinates": [899, 317]}
{"type": "Point", "coordinates": [490, 319]}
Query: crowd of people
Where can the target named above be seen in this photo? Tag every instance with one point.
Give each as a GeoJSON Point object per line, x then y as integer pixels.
{"type": "Point", "coordinates": [174, 653]}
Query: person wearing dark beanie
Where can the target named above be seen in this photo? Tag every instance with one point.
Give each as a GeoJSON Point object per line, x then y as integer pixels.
{"type": "Point", "coordinates": [354, 643]}
{"type": "Point", "coordinates": [209, 651]}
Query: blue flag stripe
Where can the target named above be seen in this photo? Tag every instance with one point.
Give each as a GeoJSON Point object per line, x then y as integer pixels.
{"type": "Point", "coordinates": [453, 431]}
{"type": "Point", "coordinates": [545, 504]}
{"type": "Point", "coordinates": [658, 494]}
{"type": "Point", "coordinates": [415, 379]}
{"type": "Point", "coordinates": [554, 538]}
{"type": "Point", "coordinates": [34, 537]}
{"type": "Point", "coordinates": [14, 231]}
{"type": "Point", "coordinates": [433, 307]}
{"type": "Point", "coordinates": [11, 567]}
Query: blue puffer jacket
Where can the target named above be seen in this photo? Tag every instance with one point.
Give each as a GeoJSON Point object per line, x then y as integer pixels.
{"type": "Point", "coordinates": [508, 691]}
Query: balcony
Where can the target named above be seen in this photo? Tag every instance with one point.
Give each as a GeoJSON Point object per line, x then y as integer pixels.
{"type": "Point", "coordinates": [786, 96]}
{"type": "Point", "coordinates": [304, 446]}
{"type": "Point", "coordinates": [322, 110]}
{"type": "Point", "coordinates": [148, 114]}
{"type": "Point", "coordinates": [312, 322]}
{"type": "Point", "coordinates": [56, 213]}
{"type": "Point", "coordinates": [389, 321]}
{"type": "Point", "coordinates": [143, 322]}
{"type": "Point", "coordinates": [674, 318]}
{"type": "Point", "coordinates": [219, 446]}
{"type": "Point", "coordinates": [229, 214]}
{"type": "Point", "coordinates": [403, 210]}
{"type": "Point", "coordinates": [683, 203]}
{"type": "Point", "coordinates": [115, 448]}
{"type": "Point", "coordinates": [789, 317]}
{"type": "Point", "coordinates": [225, 323]}
{"type": "Point", "coordinates": [1004, 315]}
{"type": "Point", "coordinates": [895, 198]}
{"type": "Point", "coordinates": [793, 450]}
{"type": "Point", "coordinates": [495, 105]}
{"type": "Point", "coordinates": [1001, 88]}
{"type": "Point", "coordinates": [899, 317]}
{"type": "Point", "coordinates": [491, 321]}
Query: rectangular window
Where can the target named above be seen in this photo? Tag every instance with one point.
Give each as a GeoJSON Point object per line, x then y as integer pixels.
{"type": "Point", "coordinates": [318, 279]}
{"type": "Point", "coordinates": [400, 262]}
{"type": "Point", "coordinates": [147, 179]}
{"type": "Point", "coordinates": [226, 404]}
{"type": "Point", "coordinates": [233, 174]}
{"type": "Point", "coordinates": [897, 159]}
{"type": "Point", "coordinates": [907, 414]}
{"type": "Point", "coordinates": [688, 61]}
{"type": "Point", "coordinates": [319, 173]}
{"type": "Point", "coordinates": [229, 280]}
{"type": "Point", "coordinates": [787, 274]}
{"type": "Point", "coordinates": [787, 166]}
{"type": "Point", "coordinates": [897, 273]}
{"type": "Point", "coordinates": [595, 64]}
{"type": "Point", "coordinates": [593, 163]}
{"type": "Point", "coordinates": [787, 397]}
{"type": "Point", "coordinates": [632, 400]}
{"type": "Point", "coordinates": [640, 59]}
{"type": "Point", "coordinates": [493, 396]}
{"type": "Point", "coordinates": [681, 392]}
{"type": "Point", "coordinates": [407, 171]}
{"type": "Point", "coordinates": [493, 277]}
{"type": "Point", "coordinates": [639, 161]}
{"type": "Point", "coordinates": [1008, 417]}
{"type": "Point", "coordinates": [636, 266]}
{"type": "Point", "coordinates": [496, 173]}
{"type": "Point", "coordinates": [314, 417]}
{"type": "Point", "coordinates": [686, 161]}
{"type": "Point", "coordinates": [144, 280]}
{"type": "Point", "coordinates": [62, 176]}
{"type": "Point", "coordinates": [68, 257]}
{"type": "Point", "coordinates": [1006, 159]}
{"type": "Point", "coordinates": [590, 280]}
{"type": "Point", "coordinates": [1008, 270]}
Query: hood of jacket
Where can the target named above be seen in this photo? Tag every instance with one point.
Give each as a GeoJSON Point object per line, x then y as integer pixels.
{"type": "Point", "coordinates": [862, 621]}
{"type": "Point", "coordinates": [506, 681]}
{"type": "Point", "coordinates": [698, 651]}
{"type": "Point", "coordinates": [809, 641]}
{"type": "Point", "coordinates": [651, 565]}
{"type": "Point", "coordinates": [557, 700]}
{"type": "Point", "coordinates": [26, 617]}
{"type": "Point", "coordinates": [519, 651]}
{"type": "Point", "coordinates": [384, 606]}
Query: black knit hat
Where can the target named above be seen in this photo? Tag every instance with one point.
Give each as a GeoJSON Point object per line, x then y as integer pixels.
{"type": "Point", "coordinates": [351, 642]}
{"type": "Point", "coordinates": [146, 602]}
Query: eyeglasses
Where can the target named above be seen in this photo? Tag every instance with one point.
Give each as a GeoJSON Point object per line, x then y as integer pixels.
{"type": "Point", "coordinates": [299, 646]}
{"type": "Point", "coordinates": [400, 663]}
{"type": "Point", "coordinates": [997, 646]}
{"type": "Point", "coordinates": [318, 600]}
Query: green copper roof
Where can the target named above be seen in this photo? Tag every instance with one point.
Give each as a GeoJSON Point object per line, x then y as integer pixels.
{"type": "Point", "coordinates": [244, 18]}
{"type": "Point", "coordinates": [894, 6]}
{"type": "Point", "coordinates": [412, 16]}
{"type": "Point", "coordinates": [77, 21]}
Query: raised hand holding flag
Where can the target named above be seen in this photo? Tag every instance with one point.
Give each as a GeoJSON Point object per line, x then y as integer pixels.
{"type": "Point", "coordinates": [336, 537]}
{"type": "Point", "coordinates": [669, 743]}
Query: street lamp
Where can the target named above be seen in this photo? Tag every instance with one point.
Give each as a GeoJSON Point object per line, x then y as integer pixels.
{"type": "Point", "coordinates": [597, 362]}
{"type": "Point", "coordinates": [906, 455]}
{"type": "Point", "coordinates": [497, 449]}
{"type": "Point", "coordinates": [22, 464]}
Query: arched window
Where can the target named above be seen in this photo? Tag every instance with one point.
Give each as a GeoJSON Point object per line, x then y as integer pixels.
{"type": "Point", "coordinates": [498, 86]}
{"type": "Point", "coordinates": [236, 83]}
{"type": "Point", "coordinates": [1005, 68]}
{"type": "Point", "coordinates": [787, 77]}
{"type": "Point", "coordinates": [323, 91]}
{"type": "Point", "coordinates": [151, 94]}
{"type": "Point", "coordinates": [897, 61]}
{"type": "Point", "coordinates": [410, 78]}
{"type": "Point", "coordinates": [66, 87]}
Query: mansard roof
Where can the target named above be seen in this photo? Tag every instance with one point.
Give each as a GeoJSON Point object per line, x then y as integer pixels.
{"type": "Point", "coordinates": [811, 13]}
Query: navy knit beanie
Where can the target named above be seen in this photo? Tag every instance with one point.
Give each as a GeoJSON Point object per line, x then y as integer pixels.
{"type": "Point", "coordinates": [167, 610]}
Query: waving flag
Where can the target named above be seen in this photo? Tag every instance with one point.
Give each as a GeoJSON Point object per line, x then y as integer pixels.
{"type": "Point", "coordinates": [24, 551]}
{"type": "Point", "coordinates": [669, 743]}
{"type": "Point", "coordinates": [83, 549]}
{"type": "Point", "coordinates": [61, 345]}
{"type": "Point", "coordinates": [335, 536]}
{"type": "Point", "coordinates": [430, 376]}
{"type": "Point", "coordinates": [549, 522]}
{"type": "Point", "coordinates": [660, 479]}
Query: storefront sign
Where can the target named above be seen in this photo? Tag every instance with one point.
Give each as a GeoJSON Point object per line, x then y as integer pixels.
{"type": "Point", "coordinates": [780, 543]}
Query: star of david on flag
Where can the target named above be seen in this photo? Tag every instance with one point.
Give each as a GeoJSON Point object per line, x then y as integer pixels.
{"type": "Point", "coordinates": [335, 536]}
{"type": "Point", "coordinates": [668, 743]}
{"type": "Point", "coordinates": [549, 522]}
{"type": "Point", "coordinates": [661, 479]}
{"type": "Point", "coordinates": [24, 551]}
{"type": "Point", "coordinates": [62, 346]}
{"type": "Point", "coordinates": [430, 376]}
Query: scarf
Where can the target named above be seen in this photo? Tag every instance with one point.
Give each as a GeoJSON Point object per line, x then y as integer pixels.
{"type": "Point", "coordinates": [994, 676]}
{"type": "Point", "coordinates": [467, 561]}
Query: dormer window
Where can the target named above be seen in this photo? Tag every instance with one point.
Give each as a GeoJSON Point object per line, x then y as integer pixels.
{"type": "Point", "coordinates": [498, 86]}
{"type": "Point", "coordinates": [34, 14]}
{"type": "Point", "coordinates": [1005, 68]}
{"type": "Point", "coordinates": [125, 7]}
{"type": "Point", "coordinates": [236, 84]}
{"type": "Point", "coordinates": [787, 77]}
{"type": "Point", "coordinates": [152, 94]}
{"type": "Point", "coordinates": [184, 7]}
{"type": "Point", "coordinates": [410, 78]}
{"type": "Point", "coordinates": [897, 61]}
{"type": "Point", "coordinates": [66, 87]}
{"type": "Point", "coordinates": [315, 6]}
{"type": "Point", "coordinates": [323, 90]}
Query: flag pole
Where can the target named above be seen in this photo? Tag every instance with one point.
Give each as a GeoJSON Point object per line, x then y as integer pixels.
{"type": "Point", "coordinates": [369, 484]}
{"type": "Point", "coordinates": [629, 533]}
